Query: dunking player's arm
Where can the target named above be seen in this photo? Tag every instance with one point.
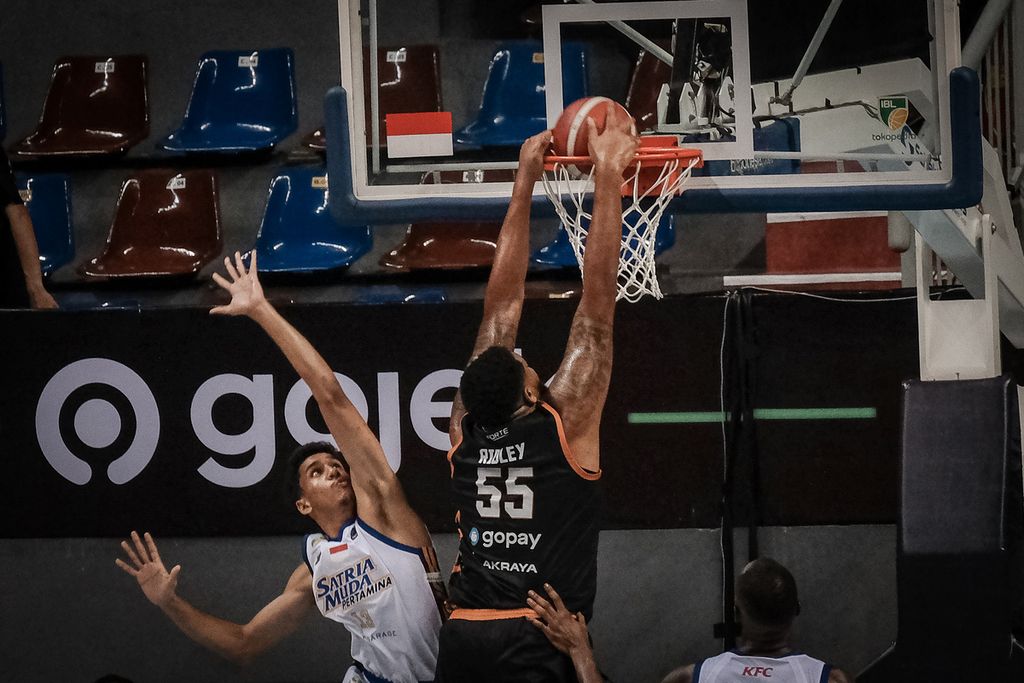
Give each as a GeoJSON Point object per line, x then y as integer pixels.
{"type": "Point", "coordinates": [381, 500]}
{"type": "Point", "coordinates": [580, 386]}
{"type": "Point", "coordinates": [503, 299]}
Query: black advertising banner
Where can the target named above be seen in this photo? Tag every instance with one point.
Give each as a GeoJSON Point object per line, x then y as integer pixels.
{"type": "Point", "coordinates": [178, 422]}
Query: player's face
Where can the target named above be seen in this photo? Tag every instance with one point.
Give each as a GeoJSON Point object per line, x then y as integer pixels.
{"type": "Point", "coordinates": [324, 482]}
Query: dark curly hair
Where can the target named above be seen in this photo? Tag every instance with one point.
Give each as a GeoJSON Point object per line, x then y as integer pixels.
{"type": "Point", "coordinates": [766, 591]}
{"type": "Point", "coordinates": [492, 386]}
{"type": "Point", "coordinates": [292, 490]}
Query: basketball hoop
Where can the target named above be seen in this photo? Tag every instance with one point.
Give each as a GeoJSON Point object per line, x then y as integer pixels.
{"type": "Point", "coordinates": [659, 172]}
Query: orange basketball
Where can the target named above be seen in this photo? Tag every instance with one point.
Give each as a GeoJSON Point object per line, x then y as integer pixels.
{"type": "Point", "coordinates": [570, 134]}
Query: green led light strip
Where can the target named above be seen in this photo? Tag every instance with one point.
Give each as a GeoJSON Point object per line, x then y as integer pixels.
{"type": "Point", "coordinates": [704, 417]}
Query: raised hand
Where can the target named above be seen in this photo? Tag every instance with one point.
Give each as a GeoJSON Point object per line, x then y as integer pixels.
{"type": "Point", "coordinates": [615, 147]}
{"type": "Point", "coordinates": [156, 582]}
{"type": "Point", "coordinates": [531, 156]}
{"type": "Point", "coordinates": [244, 287]}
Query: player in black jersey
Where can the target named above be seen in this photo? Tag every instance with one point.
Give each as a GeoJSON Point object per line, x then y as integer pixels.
{"type": "Point", "coordinates": [525, 458]}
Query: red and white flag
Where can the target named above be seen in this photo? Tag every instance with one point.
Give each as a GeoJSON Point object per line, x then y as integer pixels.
{"type": "Point", "coordinates": [425, 134]}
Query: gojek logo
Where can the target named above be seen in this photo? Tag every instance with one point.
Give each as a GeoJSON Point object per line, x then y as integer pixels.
{"type": "Point", "coordinates": [97, 421]}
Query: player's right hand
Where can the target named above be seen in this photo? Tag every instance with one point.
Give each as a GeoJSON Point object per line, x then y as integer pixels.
{"type": "Point", "coordinates": [244, 287]}
{"type": "Point", "coordinates": [531, 157]}
{"type": "Point", "coordinates": [158, 585]}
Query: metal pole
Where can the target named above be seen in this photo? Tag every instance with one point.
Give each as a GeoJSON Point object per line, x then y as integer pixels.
{"type": "Point", "coordinates": [636, 37]}
{"type": "Point", "coordinates": [374, 94]}
{"type": "Point", "coordinates": [981, 37]}
{"type": "Point", "coordinates": [809, 54]}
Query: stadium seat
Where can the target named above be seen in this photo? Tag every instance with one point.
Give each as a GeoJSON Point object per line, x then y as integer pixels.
{"type": "Point", "coordinates": [410, 81]}
{"type": "Point", "coordinates": [442, 245]}
{"type": "Point", "coordinates": [298, 233]}
{"type": "Point", "coordinates": [96, 105]}
{"type": "Point", "coordinates": [513, 107]}
{"type": "Point", "coordinates": [166, 224]}
{"type": "Point", "coordinates": [48, 199]}
{"type": "Point", "coordinates": [558, 252]}
{"type": "Point", "coordinates": [649, 73]}
{"type": "Point", "coordinates": [393, 294]}
{"type": "Point", "coordinates": [242, 100]}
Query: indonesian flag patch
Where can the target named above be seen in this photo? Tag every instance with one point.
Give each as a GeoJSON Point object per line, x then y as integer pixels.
{"type": "Point", "coordinates": [422, 134]}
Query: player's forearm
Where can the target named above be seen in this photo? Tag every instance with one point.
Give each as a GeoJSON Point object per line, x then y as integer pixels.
{"type": "Point", "coordinates": [601, 260]}
{"type": "Point", "coordinates": [224, 637]}
{"type": "Point", "coordinates": [506, 284]}
{"type": "Point", "coordinates": [586, 667]}
{"type": "Point", "coordinates": [305, 359]}
{"type": "Point", "coordinates": [25, 243]}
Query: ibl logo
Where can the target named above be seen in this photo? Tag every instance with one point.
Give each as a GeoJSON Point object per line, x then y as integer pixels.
{"type": "Point", "coordinates": [98, 423]}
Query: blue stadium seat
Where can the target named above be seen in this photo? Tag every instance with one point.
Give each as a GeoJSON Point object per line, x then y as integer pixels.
{"type": "Point", "coordinates": [513, 107]}
{"type": "Point", "coordinates": [780, 135]}
{"type": "Point", "coordinates": [394, 294]}
{"type": "Point", "coordinates": [558, 252]}
{"type": "Point", "coordinates": [48, 198]}
{"type": "Point", "coordinates": [241, 101]}
{"type": "Point", "coordinates": [298, 233]}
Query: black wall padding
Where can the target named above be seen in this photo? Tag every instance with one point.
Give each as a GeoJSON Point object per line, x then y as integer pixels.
{"type": "Point", "coordinates": [953, 466]}
{"type": "Point", "coordinates": [954, 621]}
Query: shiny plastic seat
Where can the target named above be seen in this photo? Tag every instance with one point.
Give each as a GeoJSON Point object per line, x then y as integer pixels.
{"type": "Point", "coordinates": [96, 105]}
{"type": "Point", "coordinates": [513, 107]}
{"type": "Point", "coordinates": [242, 100]}
{"type": "Point", "coordinates": [166, 224]}
{"type": "Point", "coordinates": [558, 252]}
{"type": "Point", "coordinates": [48, 199]}
{"type": "Point", "coordinates": [298, 233]}
{"type": "Point", "coordinates": [447, 245]}
{"type": "Point", "coordinates": [649, 74]}
{"type": "Point", "coordinates": [393, 294]}
{"type": "Point", "coordinates": [409, 81]}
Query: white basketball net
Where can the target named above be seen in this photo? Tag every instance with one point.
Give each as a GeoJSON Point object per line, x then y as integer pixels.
{"type": "Point", "coordinates": [641, 213]}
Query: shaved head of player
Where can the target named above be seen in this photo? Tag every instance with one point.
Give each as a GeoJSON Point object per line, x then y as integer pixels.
{"type": "Point", "coordinates": [766, 606]}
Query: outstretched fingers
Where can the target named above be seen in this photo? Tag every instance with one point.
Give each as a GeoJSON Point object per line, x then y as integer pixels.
{"type": "Point", "coordinates": [240, 265]}
{"type": "Point", "coordinates": [131, 554]}
{"type": "Point", "coordinates": [230, 268]}
{"type": "Point", "coordinates": [139, 548]}
{"type": "Point", "coordinates": [154, 554]}
{"type": "Point", "coordinates": [131, 571]}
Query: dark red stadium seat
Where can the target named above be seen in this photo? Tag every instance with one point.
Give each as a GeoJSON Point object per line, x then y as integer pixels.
{"type": "Point", "coordinates": [96, 105]}
{"type": "Point", "coordinates": [410, 81]}
{"type": "Point", "coordinates": [448, 245]}
{"type": "Point", "coordinates": [167, 223]}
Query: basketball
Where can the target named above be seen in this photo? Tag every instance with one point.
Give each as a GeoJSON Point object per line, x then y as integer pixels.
{"type": "Point", "coordinates": [570, 134]}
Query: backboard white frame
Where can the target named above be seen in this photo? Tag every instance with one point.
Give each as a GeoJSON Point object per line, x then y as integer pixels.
{"type": "Point", "coordinates": [944, 19]}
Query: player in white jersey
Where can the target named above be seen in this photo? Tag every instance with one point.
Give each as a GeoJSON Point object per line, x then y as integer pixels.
{"type": "Point", "coordinates": [372, 568]}
{"type": "Point", "coordinates": [766, 606]}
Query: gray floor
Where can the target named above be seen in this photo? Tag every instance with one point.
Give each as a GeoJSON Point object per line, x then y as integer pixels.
{"type": "Point", "coordinates": [71, 615]}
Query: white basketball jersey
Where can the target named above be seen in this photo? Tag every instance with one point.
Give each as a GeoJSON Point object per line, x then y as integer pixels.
{"type": "Point", "coordinates": [732, 667]}
{"type": "Point", "coordinates": [378, 589]}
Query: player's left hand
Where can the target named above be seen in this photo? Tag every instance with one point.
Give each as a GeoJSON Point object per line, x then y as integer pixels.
{"type": "Point", "coordinates": [244, 287]}
{"type": "Point", "coordinates": [566, 631]}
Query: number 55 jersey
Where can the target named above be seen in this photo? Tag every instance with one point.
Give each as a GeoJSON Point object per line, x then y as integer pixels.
{"type": "Point", "coordinates": [527, 514]}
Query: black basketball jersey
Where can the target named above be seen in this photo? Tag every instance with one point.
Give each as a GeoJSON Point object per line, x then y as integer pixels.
{"type": "Point", "coordinates": [527, 514]}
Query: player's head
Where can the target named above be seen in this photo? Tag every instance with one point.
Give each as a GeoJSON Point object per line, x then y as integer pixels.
{"type": "Point", "coordinates": [317, 480]}
{"type": "Point", "coordinates": [766, 598]}
{"type": "Point", "coordinates": [496, 384]}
